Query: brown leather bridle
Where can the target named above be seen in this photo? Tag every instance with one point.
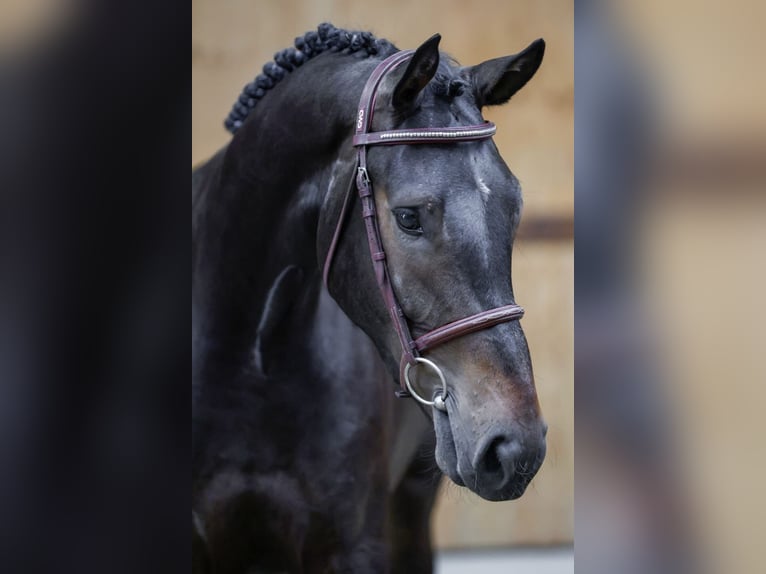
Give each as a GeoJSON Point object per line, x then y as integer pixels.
{"type": "Point", "coordinates": [411, 348]}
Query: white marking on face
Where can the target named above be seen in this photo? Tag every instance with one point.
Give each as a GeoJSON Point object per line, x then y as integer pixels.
{"type": "Point", "coordinates": [483, 187]}
{"type": "Point", "coordinates": [472, 226]}
{"type": "Point", "coordinates": [481, 232]}
{"type": "Point", "coordinates": [477, 174]}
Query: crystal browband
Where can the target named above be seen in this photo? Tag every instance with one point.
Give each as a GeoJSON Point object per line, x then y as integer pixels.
{"type": "Point", "coordinates": [462, 133]}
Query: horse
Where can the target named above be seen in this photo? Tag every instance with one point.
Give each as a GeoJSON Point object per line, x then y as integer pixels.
{"type": "Point", "coordinates": [304, 459]}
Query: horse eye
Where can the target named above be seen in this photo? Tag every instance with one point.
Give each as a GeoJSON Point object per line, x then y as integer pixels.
{"type": "Point", "coordinates": [408, 220]}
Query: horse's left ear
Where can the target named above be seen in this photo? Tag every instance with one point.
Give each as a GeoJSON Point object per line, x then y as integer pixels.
{"type": "Point", "coordinates": [495, 81]}
{"type": "Point", "coordinates": [419, 72]}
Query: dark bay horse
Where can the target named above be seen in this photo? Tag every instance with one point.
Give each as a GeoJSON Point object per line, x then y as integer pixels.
{"type": "Point", "coordinates": [303, 458]}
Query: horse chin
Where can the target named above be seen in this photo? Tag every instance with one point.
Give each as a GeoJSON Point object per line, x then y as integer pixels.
{"type": "Point", "coordinates": [446, 452]}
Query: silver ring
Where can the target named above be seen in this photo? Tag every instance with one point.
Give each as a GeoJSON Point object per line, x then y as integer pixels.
{"type": "Point", "coordinates": [438, 402]}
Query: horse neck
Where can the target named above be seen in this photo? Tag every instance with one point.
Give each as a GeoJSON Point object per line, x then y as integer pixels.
{"type": "Point", "coordinates": [259, 213]}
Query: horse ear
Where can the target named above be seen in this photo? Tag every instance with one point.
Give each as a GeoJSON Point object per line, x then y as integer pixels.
{"type": "Point", "coordinates": [495, 81]}
{"type": "Point", "coordinates": [419, 72]}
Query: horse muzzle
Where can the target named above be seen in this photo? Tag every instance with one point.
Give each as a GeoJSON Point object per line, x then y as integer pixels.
{"type": "Point", "coordinates": [498, 464]}
{"type": "Point", "coordinates": [504, 465]}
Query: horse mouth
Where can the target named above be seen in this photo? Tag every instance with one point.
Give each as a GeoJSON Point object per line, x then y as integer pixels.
{"type": "Point", "coordinates": [446, 451]}
{"type": "Point", "coordinates": [486, 475]}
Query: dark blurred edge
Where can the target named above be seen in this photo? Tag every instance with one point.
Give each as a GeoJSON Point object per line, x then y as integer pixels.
{"type": "Point", "coordinates": [631, 513]}
{"type": "Point", "coordinates": [94, 135]}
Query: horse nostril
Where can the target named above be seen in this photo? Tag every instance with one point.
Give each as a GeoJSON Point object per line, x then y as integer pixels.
{"type": "Point", "coordinates": [491, 462]}
{"type": "Point", "coordinates": [505, 466]}
{"type": "Point", "coordinates": [498, 461]}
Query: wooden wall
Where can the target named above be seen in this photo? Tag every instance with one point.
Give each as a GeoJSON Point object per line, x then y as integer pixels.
{"type": "Point", "coordinates": [232, 39]}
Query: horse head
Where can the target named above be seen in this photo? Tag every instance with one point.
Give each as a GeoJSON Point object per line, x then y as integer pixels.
{"type": "Point", "coordinates": [447, 216]}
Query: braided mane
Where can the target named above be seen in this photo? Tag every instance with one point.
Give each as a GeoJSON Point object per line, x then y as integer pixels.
{"type": "Point", "coordinates": [326, 38]}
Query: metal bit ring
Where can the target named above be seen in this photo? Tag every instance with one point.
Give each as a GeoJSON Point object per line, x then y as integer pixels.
{"type": "Point", "coordinates": [438, 402]}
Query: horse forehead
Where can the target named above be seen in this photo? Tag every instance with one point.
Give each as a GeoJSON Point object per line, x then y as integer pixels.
{"type": "Point", "coordinates": [459, 162]}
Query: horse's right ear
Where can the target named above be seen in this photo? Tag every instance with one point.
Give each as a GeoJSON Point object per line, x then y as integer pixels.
{"type": "Point", "coordinates": [495, 81]}
{"type": "Point", "coordinates": [420, 71]}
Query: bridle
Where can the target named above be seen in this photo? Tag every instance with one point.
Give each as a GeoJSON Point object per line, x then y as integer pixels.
{"type": "Point", "coordinates": [363, 138]}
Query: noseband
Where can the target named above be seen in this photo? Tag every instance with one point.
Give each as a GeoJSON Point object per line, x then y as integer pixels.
{"type": "Point", "coordinates": [411, 348]}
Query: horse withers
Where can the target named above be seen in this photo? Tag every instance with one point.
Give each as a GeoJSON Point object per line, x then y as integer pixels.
{"type": "Point", "coordinates": [303, 459]}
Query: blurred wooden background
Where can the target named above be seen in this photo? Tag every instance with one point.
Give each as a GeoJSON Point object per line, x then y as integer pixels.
{"type": "Point", "coordinates": [232, 39]}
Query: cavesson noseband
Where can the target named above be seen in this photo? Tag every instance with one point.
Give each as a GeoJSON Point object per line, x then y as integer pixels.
{"type": "Point", "coordinates": [411, 348]}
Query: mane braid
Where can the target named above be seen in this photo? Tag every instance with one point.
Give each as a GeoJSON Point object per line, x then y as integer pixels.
{"type": "Point", "coordinates": [326, 38]}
